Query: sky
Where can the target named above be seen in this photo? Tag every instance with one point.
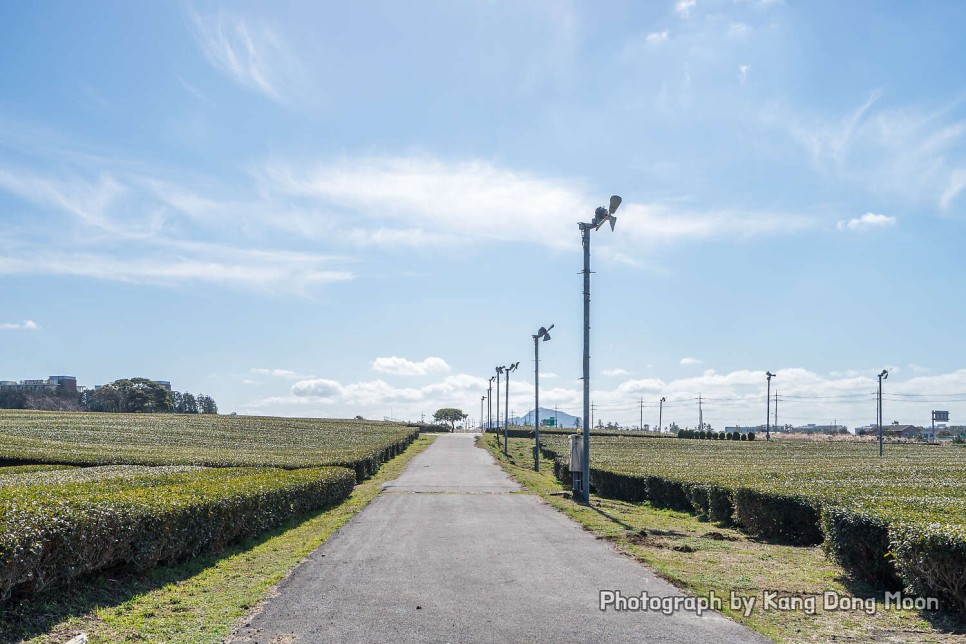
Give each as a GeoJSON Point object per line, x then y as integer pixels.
{"type": "Point", "coordinates": [335, 209]}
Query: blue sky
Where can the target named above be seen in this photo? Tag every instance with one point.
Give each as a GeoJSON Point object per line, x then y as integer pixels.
{"type": "Point", "coordinates": [331, 209]}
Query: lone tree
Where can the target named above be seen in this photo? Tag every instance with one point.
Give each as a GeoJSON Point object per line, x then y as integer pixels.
{"type": "Point", "coordinates": [137, 395]}
{"type": "Point", "coordinates": [449, 415]}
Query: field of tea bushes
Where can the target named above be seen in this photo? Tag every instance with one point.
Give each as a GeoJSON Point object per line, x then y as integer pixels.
{"type": "Point", "coordinates": [895, 521]}
{"type": "Point", "coordinates": [82, 492]}
{"type": "Point", "coordinates": [76, 438]}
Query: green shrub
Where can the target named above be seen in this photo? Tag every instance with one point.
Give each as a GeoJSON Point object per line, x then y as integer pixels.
{"type": "Point", "coordinates": [54, 532]}
{"type": "Point", "coordinates": [859, 542]}
{"type": "Point", "coordinates": [744, 437]}
{"type": "Point", "coordinates": [667, 493]}
{"type": "Point", "coordinates": [931, 559]}
{"type": "Point", "coordinates": [720, 506]}
{"type": "Point", "coordinates": [785, 518]}
{"type": "Point", "coordinates": [698, 497]}
{"type": "Point", "coordinates": [751, 436]}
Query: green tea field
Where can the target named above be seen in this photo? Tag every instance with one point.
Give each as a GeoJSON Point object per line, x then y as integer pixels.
{"type": "Point", "coordinates": [894, 521]}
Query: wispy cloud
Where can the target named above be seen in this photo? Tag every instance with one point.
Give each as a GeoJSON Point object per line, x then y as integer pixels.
{"type": "Point", "coordinates": [957, 183]}
{"type": "Point", "coordinates": [277, 373]}
{"type": "Point", "coordinates": [657, 37]}
{"type": "Point", "coordinates": [914, 153]}
{"type": "Point", "coordinates": [690, 361]}
{"type": "Point", "coordinates": [251, 53]}
{"type": "Point", "coordinates": [615, 372]}
{"type": "Point", "coordinates": [868, 221]}
{"type": "Point", "coordinates": [26, 325]}
{"type": "Point", "coordinates": [684, 7]}
{"type": "Point", "coordinates": [401, 197]}
{"type": "Point", "coordinates": [403, 367]}
{"type": "Point", "coordinates": [739, 30]}
{"type": "Point", "coordinates": [743, 73]}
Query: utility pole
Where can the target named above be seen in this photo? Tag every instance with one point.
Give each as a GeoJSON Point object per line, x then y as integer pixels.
{"type": "Point", "coordinates": [482, 398]}
{"type": "Point", "coordinates": [700, 415]}
{"type": "Point", "coordinates": [769, 375]}
{"type": "Point", "coordinates": [882, 376]}
{"type": "Point", "coordinates": [499, 370]}
{"type": "Point", "coordinates": [641, 426]}
{"type": "Point", "coordinates": [776, 410]}
{"type": "Point", "coordinates": [489, 405]}
{"type": "Point", "coordinates": [660, 415]}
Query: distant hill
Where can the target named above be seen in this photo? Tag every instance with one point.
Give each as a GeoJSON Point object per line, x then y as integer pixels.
{"type": "Point", "coordinates": [564, 420]}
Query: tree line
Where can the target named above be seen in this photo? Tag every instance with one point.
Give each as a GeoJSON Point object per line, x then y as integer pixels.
{"type": "Point", "coordinates": [127, 395]}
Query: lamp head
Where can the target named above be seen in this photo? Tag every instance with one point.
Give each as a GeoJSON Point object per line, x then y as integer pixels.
{"type": "Point", "coordinates": [514, 366]}
{"type": "Point", "coordinates": [615, 203]}
{"type": "Point", "coordinates": [884, 374]}
{"type": "Point", "coordinates": [769, 374]}
{"type": "Point", "coordinates": [499, 370]}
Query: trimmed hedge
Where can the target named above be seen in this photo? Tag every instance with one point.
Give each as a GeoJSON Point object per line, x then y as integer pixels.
{"type": "Point", "coordinates": [786, 518]}
{"type": "Point", "coordinates": [932, 560]}
{"type": "Point", "coordinates": [859, 542]}
{"type": "Point", "coordinates": [54, 532]}
{"type": "Point", "coordinates": [886, 532]}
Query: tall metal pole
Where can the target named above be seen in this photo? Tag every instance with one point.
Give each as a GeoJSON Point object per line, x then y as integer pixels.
{"type": "Point", "coordinates": [641, 426]}
{"type": "Point", "coordinates": [768, 411]}
{"type": "Point", "coordinates": [498, 403]}
{"type": "Point", "coordinates": [769, 375]}
{"type": "Point", "coordinates": [660, 415]}
{"type": "Point", "coordinates": [506, 415]}
{"type": "Point", "coordinates": [536, 403]}
{"type": "Point", "coordinates": [489, 405]}
{"type": "Point", "coordinates": [879, 414]}
{"type": "Point", "coordinates": [585, 471]}
{"type": "Point", "coordinates": [482, 398]}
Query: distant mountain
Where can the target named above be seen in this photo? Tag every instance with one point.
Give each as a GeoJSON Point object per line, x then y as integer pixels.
{"type": "Point", "coordinates": [564, 420]}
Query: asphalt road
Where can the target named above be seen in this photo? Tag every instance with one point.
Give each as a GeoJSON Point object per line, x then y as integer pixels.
{"type": "Point", "coordinates": [453, 551]}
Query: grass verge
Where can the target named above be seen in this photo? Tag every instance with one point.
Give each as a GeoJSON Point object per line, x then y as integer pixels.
{"type": "Point", "coordinates": [702, 557]}
{"type": "Point", "coordinates": [201, 600]}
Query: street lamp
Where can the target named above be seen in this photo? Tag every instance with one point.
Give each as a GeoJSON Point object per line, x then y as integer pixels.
{"type": "Point", "coordinates": [482, 399]}
{"type": "Point", "coordinates": [489, 404]}
{"type": "Point", "coordinates": [601, 215]}
{"type": "Point", "coordinates": [544, 333]}
{"type": "Point", "coordinates": [506, 403]}
{"type": "Point", "coordinates": [882, 376]}
{"type": "Point", "coordinates": [660, 414]}
{"type": "Point", "coordinates": [499, 370]}
{"type": "Point", "coordinates": [769, 375]}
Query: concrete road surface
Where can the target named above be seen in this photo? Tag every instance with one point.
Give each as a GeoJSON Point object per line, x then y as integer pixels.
{"type": "Point", "coordinates": [454, 551]}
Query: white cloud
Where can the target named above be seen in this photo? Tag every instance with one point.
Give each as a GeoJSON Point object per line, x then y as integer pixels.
{"type": "Point", "coordinates": [26, 325]}
{"type": "Point", "coordinates": [318, 388]}
{"type": "Point", "coordinates": [277, 373]}
{"type": "Point", "coordinates": [235, 267]}
{"type": "Point", "coordinates": [401, 197]}
{"type": "Point", "coordinates": [252, 54]}
{"type": "Point", "coordinates": [403, 367]}
{"type": "Point", "coordinates": [684, 7]}
{"type": "Point", "coordinates": [738, 30]}
{"type": "Point", "coordinates": [690, 361]}
{"type": "Point", "coordinates": [743, 73]}
{"type": "Point", "coordinates": [615, 372]}
{"type": "Point", "coordinates": [868, 221]}
{"type": "Point", "coordinates": [957, 183]}
{"type": "Point", "coordinates": [657, 37]}
{"type": "Point", "coordinates": [910, 153]}
{"type": "Point", "coordinates": [728, 398]}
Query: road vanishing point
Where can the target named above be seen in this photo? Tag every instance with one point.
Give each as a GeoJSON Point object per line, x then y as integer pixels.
{"type": "Point", "coordinates": [454, 551]}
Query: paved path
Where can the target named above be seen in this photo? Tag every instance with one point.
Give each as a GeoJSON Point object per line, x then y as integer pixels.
{"type": "Point", "coordinates": [453, 551]}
